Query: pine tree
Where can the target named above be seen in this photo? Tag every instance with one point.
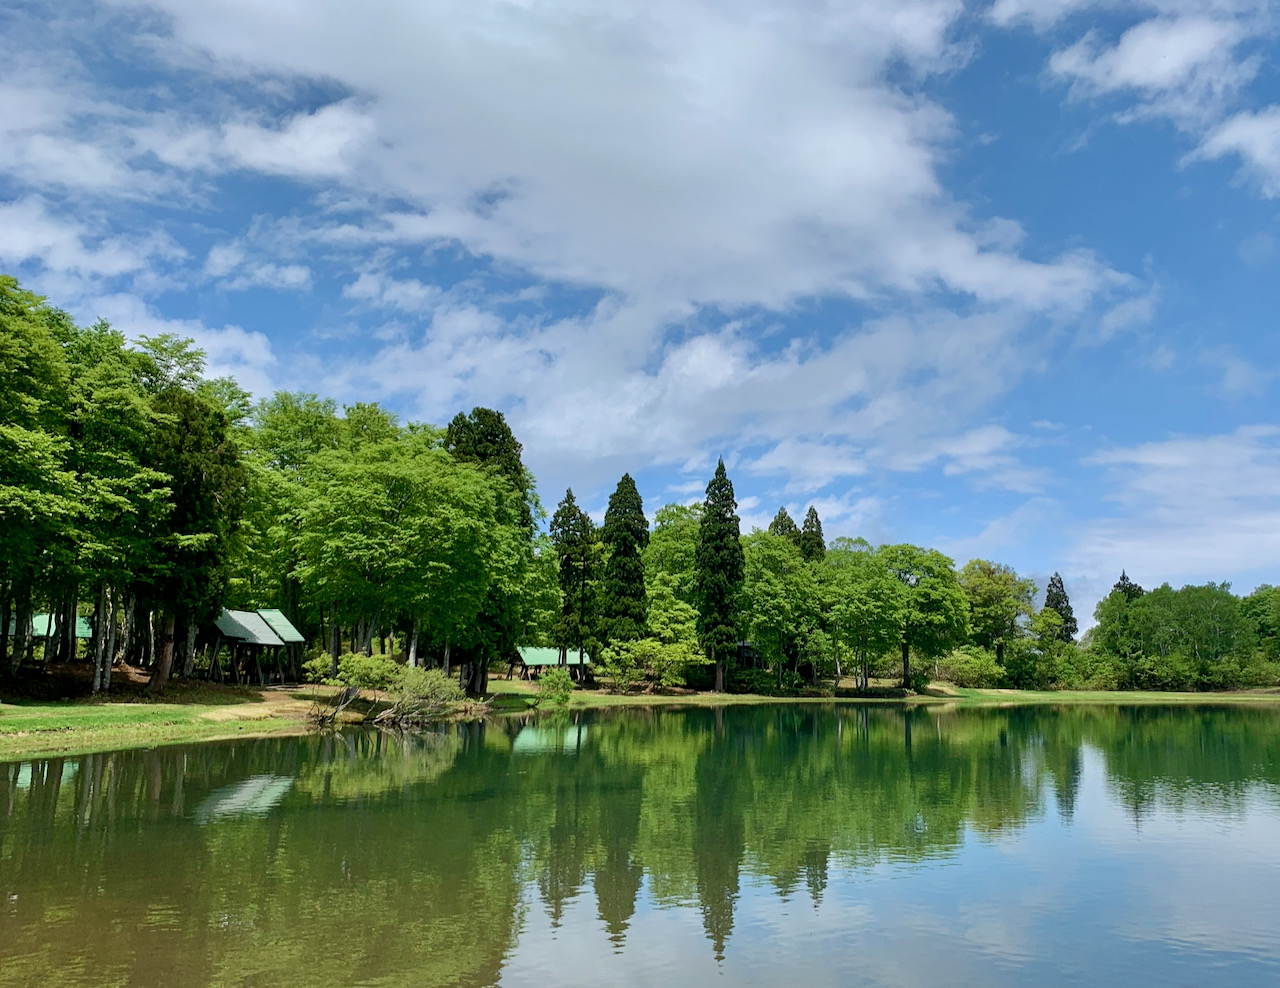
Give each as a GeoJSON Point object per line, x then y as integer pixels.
{"type": "Point", "coordinates": [574, 536]}
{"type": "Point", "coordinates": [626, 531]}
{"type": "Point", "coordinates": [783, 525]}
{"type": "Point", "coordinates": [719, 570]}
{"type": "Point", "coordinates": [812, 545]}
{"type": "Point", "coordinates": [1127, 587]}
{"type": "Point", "coordinates": [1055, 598]}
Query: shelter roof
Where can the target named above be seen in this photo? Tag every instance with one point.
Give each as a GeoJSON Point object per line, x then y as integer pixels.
{"type": "Point", "coordinates": [247, 626]}
{"type": "Point", "coordinates": [40, 626]}
{"type": "Point", "coordinates": [281, 625]}
{"type": "Point", "coordinates": [537, 657]}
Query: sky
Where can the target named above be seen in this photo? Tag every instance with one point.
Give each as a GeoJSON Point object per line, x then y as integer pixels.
{"type": "Point", "coordinates": [999, 277]}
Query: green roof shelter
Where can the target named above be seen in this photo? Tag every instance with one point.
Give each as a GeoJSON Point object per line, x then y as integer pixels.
{"type": "Point", "coordinates": [246, 627]}
{"type": "Point", "coordinates": [281, 625]}
{"type": "Point", "coordinates": [40, 626]}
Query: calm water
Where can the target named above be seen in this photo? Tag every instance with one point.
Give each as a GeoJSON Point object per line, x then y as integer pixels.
{"type": "Point", "coordinates": [753, 845]}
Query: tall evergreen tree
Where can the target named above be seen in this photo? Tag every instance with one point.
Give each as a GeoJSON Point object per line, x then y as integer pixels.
{"type": "Point", "coordinates": [1127, 587]}
{"type": "Point", "coordinates": [1055, 598]}
{"type": "Point", "coordinates": [812, 545]}
{"type": "Point", "coordinates": [626, 533]}
{"type": "Point", "coordinates": [719, 570]}
{"type": "Point", "coordinates": [574, 536]}
{"type": "Point", "coordinates": [484, 437]}
{"type": "Point", "coordinates": [784, 525]}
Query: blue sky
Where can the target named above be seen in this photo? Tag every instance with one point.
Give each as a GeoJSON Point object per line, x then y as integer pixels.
{"type": "Point", "coordinates": [995, 277]}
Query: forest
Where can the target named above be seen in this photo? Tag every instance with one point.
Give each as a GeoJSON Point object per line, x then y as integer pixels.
{"type": "Point", "coordinates": [142, 497]}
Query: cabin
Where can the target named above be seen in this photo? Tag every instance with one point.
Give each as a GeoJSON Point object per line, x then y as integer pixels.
{"type": "Point", "coordinates": [532, 661]}
{"type": "Point", "coordinates": [249, 634]}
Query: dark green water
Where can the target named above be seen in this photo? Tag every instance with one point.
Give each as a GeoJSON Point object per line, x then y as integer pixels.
{"type": "Point", "coordinates": [753, 845]}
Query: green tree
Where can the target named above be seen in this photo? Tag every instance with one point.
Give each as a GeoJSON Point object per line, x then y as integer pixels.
{"type": "Point", "coordinates": [1127, 587]}
{"type": "Point", "coordinates": [934, 616]}
{"type": "Point", "coordinates": [718, 573]}
{"type": "Point", "coordinates": [485, 437]}
{"type": "Point", "coordinates": [1056, 599]}
{"type": "Point", "coordinates": [868, 603]}
{"type": "Point", "coordinates": [625, 534]}
{"type": "Point", "coordinates": [574, 536]}
{"type": "Point", "coordinates": [673, 544]}
{"type": "Point", "coordinates": [998, 600]}
{"type": "Point", "coordinates": [785, 526]}
{"type": "Point", "coordinates": [812, 545]}
{"type": "Point", "coordinates": [206, 482]}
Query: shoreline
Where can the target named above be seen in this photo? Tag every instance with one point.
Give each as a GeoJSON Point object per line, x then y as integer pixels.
{"type": "Point", "coordinates": [31, 730]}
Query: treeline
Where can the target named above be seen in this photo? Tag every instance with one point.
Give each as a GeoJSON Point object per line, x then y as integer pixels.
{"type": "Point", "coordinates": [145, 497]}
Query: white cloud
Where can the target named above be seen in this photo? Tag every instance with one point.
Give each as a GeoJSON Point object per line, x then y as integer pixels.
{"type": "Point", "coordinates": [323, 144]}
{"type": "Point", "coordinates": [1191, 509]}
{"type": "Point", "coordinates": [1179, 67]}
{"type": "Point", "coordinates": [29, 233]}
{"type": "Point", "coordinates": [1255, 139]}
{"type": "Point", "coordinates": [1240, 378]}
{"type": "Point", "coordinates": [690, 152]}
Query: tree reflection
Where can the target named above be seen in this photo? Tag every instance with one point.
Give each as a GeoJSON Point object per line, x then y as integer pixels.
{"type": "Point", "coordinates": [370, 858]}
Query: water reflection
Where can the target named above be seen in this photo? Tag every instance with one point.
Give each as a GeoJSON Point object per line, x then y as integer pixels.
{"type": "Point", "coordinates": [851, 842]}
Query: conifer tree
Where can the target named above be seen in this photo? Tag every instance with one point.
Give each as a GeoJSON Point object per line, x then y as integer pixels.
{"type": "Point", "coordinates": [625, 533]}
{"type": "Point", "coordinates": [784, 525]}
{"type": "Point", "coordinates": [574, 536]}
{"type": "Point", "coordinates": [812, 545]}
{"type": "Point", "coordinates": [719, 570]}
{"type": "Point", "coordinates": [1055, 598]}
{"type": "Point", "coordinates": [484, 437]}
{"type": "Point", "coordinates": [1127, 587]}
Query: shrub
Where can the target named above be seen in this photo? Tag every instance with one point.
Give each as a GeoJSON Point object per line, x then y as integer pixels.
{"type": "Point", "coordinates": [919, 681]}
{"type": "Point", "coordinates": [555, 685]}
{"type": "Point", "coordinates": [648, 660]}
{"type": "Point", "coordinates": [972, 667]}
{"type": "Point", "coordinates": [428, 688]}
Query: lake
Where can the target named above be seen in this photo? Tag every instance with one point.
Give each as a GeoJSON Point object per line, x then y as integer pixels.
{"type": "Point", "coordinates": [746, 845]}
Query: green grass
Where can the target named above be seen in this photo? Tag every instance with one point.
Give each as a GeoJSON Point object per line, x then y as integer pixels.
{"type": "Point", "coordinates": [1005, 698]}
{"type": "Point", "coordinates": [29, 729]}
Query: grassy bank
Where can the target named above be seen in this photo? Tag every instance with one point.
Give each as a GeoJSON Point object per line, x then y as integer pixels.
{"type": "Point", "coordinates": [188, 712]}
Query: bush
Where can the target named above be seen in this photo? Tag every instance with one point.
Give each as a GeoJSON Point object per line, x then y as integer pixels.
{"type": "Point", "coordinates": [648, 660]}
{"type": "Point", "coordinates": [763, 682]}
{"type": "Point", "coordinates": [428, 688]}
{"type": "Point", "coordinates": [972, 667]}
{"type": "Point", "coordinates": [919, 681]}
{"type": "Point", "coordinates": [555, 685]}
{"type": "Point", "coordinates": [365, 672]}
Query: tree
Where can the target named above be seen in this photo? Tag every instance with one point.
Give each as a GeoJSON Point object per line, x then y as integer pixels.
{"type": "Point", "coordinates": [783, 525]}
{"type": "Point", "coordinates": [574, 536]}
{"type": "Point", "coordinates": [718, 573]}
{"type": "Point", "coordinates": [673, 544]}
{"type": "Point", "coordinates": [867, 603]}
{"type": "Point", "coordinates": [484, 437]}
{"type": "Point", "coordinates": [1055, 598]}
{"type": "Point", "coordinates": [812, 544]}
{"type": "Point", "coordinates": [207, 481]}
{"type": "Point", "coordinates": [998, 600]}
{"type": "Point", "coordinates": [625, 535]}
{"type": "Point", "coordinates": [781, 599]}
{"type": "Point", "coordinates": [1127, 587]}
{"type": "Point", "coordinates": [934, 616]}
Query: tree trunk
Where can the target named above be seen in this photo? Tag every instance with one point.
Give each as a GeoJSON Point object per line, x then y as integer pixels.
{"type": "Point", "coordinates": [189, 656]}
{"type": "Point", "coordinates": [478, 677]}
{"type": "Point", "coordinates": [22, 626]}
{"type": "Point", "coordinates": [130, 625]}
{"type": "Point", "coordinates": [335, 644]}
{"type": "Point", "coordinates": [446, 659]}
{"type": "Point", "coordinates": [99, 636]}
{"type": "Point", "coordinates": [164, 661]}
{"type": "Point", "coordinates": [113, 605]}
{"type": "Point", "coordinates": [719, 674]}
{"type": "Point", "coordinates": [906, 665]}
{"type": "Point", "coordinates": [413, 647]}
{"type": "Point", "coordinates": [6, 615]}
